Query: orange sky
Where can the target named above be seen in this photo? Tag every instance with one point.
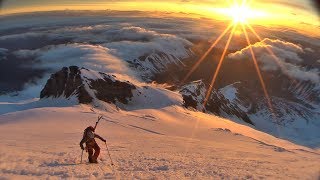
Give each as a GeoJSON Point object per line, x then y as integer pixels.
{"type": "Point", "coordinates": [294, 13]}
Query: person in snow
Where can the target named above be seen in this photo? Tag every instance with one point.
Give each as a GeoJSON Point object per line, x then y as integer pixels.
{"type": "Point", "coordinates": [91, 144]}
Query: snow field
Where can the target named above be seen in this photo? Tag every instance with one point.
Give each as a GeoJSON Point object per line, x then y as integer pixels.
{"type": "Point", "coordinates": [166, 143]}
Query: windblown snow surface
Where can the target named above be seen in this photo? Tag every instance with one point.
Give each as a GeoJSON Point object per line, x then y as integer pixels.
{"type": "Point", "coordinates": [40, 140]}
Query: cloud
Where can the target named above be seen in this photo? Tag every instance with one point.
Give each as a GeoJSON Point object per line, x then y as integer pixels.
{"type": "Point", "coordinates": [126, 43]}
{"type": "Point", "coordinates": [169, 44]}
{"type": "Point", "coordinates": [97, 25]}
{"type": "Point", "coordinates": [103, 44]}
{"type": "Point", "coordinates": [303, 73]}
{"type": "Point", "coordinates": [105, 33]}
{"type": "Point", "coordinates": [309, 49]}
{"type": "Point", "coordinates": [53, 58]}
{"type": "Point", "coordinates": [287, 54]}
{"type": "Point", "coordinates": [3, 53]}
{"type": "Point", "coordinates": [83, 55]}
{"type": "Point", "coordinates": [285, 51]}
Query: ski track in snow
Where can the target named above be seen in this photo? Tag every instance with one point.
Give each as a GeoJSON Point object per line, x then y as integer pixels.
{"type": "Point", "coordinates": [161, 143]}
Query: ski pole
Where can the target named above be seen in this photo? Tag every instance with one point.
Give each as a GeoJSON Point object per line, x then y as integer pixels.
{"type": "Point", "coordinates": [109, 154]}
{"type": "Point", "coordinates": [81, 156]}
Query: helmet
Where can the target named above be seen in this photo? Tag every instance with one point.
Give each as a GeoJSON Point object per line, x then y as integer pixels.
{"type": "Point", "coordinates": [89, 128]}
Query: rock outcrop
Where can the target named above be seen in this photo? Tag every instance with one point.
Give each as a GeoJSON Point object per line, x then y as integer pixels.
{"type": "Point", "coordinates": [87, 85]}
{"type": "Point", "coordinates": [194, 95]}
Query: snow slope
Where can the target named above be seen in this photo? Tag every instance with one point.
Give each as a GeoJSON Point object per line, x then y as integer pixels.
{"type": "Point", "coordinates": [162, 143]}
{"type": "Point", "coordinates": [294, 121]}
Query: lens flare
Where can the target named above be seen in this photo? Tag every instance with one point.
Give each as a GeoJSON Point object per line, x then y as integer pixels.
{"type": "Point", "coordinates": [276, 59]}
{"type": "Point", "coordinates": [264, 88]}
{"type": "Point", "coordinates": [241, 12]}
{"type": "Point", "coordinates": [206, 53]}
{"type": "Point", "coordinates": [219, 66]}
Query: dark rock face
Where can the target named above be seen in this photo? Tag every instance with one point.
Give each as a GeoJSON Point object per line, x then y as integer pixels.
{"type": "Point", "coordinates": [218, 104]}
{"type": "Point", "coordinates": [66, 82]}
{"type": "Point", "coordinates": [110, 91]}
{"type": "Point", "coordinates": [188, 101]}
{"type": "Point", "coordinates": [194, 94]}
{"type": "Point", "coordinates": [74, 81]}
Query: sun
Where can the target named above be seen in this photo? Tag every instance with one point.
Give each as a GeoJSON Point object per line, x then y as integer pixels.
{"type": "Point", "coordinates": [240, 13]}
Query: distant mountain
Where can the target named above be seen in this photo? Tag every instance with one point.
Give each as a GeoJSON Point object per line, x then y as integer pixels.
{"type": "Point", "coordinates": [89, 86]}
{"type": "Point", "coordinates": [151, 64]}
{"type": "Point", "coordinates": [294, 116]}
{"type": "Point", "coordinates": [194, 95]}
{"type": "Point", "coordinates": [295, 111]}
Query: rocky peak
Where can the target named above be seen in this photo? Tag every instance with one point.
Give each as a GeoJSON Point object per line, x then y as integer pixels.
{"type": "Point", "coordinates": [87, 85]}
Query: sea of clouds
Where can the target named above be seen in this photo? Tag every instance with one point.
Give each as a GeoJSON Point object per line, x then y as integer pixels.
{"type": "Point", "coordinates": [43, 43]}
{"type": "Point", "coordinates": [102, 43]}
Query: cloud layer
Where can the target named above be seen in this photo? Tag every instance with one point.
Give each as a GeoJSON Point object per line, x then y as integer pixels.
{"type": "Point", "coordinates": [90, 56]}
{"type": "Point", "coordinates": [108, 45]}
{"type": "Point", "coordinates": [285, 57]}
{"type": "Point", "coordinates": [105, 48]}
{"type": "Point", "coordinates": [124, 43]}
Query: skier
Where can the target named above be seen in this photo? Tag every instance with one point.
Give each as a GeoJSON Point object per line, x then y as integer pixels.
{"type": "Point", "coordinates": [91, 144]}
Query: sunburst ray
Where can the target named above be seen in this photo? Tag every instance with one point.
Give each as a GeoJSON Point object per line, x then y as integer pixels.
{"type": "Point", "coordinates": [276, 59]}
{"type": "Point", "coordinates": [219, 66]}
{"type": "Point", "coordinates": [206, 53]}
{"type": "Point", "coordinates": [264, 88]}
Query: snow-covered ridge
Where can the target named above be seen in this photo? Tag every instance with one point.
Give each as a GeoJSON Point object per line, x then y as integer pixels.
{"type": "Point", "coordinates": [295, 114]}
{"type": "Point", "coordinates": [90, 87]}
{"type": "Point", "coordinates": [97, 88]}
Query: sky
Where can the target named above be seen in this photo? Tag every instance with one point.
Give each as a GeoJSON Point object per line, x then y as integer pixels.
{"type": "Point", "coordinates": [296, 13]}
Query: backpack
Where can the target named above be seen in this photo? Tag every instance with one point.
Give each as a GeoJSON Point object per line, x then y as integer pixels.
{"type": "Point", "coordinates": [88, 133]}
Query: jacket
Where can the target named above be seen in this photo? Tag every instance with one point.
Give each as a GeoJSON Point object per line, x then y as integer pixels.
{"type": "Point", "coordinates": [88, 138]}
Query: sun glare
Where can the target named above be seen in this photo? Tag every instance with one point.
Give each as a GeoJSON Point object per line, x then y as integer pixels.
{"type": "Point", "coordinates": [240, 13]}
